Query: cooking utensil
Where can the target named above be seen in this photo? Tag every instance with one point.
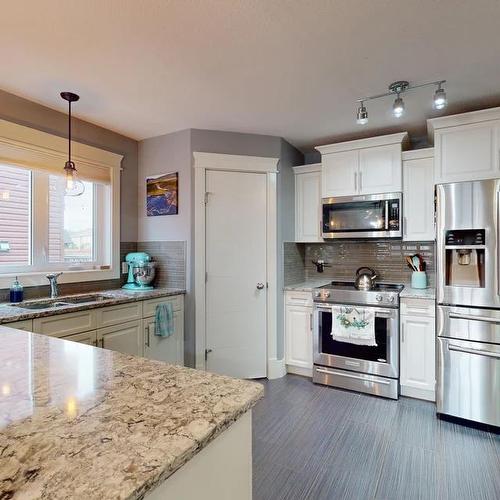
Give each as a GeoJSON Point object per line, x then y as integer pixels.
{"type": "Point", "coordinates": [364, 280]}
{"type": "Point", "coordinates": [409, 261]}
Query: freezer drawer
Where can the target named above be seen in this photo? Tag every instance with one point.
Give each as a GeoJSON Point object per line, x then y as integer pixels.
{"type": "Point", "coordinates": [469, 323]}
{"type": "Point", "coordinates": [469, 380]}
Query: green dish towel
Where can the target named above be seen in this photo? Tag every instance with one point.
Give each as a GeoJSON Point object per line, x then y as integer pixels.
{"type": "Point", "coordinates": [164, 320]}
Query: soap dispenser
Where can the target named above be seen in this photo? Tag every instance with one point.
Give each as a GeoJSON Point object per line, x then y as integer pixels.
{"type": "Point", "coordinates": [16, 291]}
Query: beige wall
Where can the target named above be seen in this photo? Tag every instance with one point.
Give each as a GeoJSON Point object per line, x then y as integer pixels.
{"type": "Point", "coordinates": [31, 114]}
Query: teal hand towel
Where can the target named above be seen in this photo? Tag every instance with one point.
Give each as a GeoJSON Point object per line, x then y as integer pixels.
{"type": "Point", "coordinates": [164, 320]}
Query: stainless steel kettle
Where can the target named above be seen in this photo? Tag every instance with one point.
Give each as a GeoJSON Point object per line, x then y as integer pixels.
{"type": "Point", "coordinates": [364, 280]}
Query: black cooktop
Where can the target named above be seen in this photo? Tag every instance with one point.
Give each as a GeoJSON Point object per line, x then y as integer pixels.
{"type": "Point", "coordinates": [377, 287]}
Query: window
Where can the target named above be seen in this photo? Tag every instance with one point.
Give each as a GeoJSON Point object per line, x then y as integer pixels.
{"type": "Point", "coordinates": [43, 230]}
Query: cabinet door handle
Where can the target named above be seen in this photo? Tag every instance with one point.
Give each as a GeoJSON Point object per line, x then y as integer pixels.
{"type": "Point", "coordinates": [405, 225]}
{"type": "Point", "coordinates": [311, 322]}
{"type": "Point", "coordinates": [402, 333]}
{"type": "Point", "coordinates": [361, 181]}
{"type": "Point", "coordinates": [355, 181]}
{"type": "Point", "coordinates": [147, 336]}
{"type": "Point", "coordinates": [102, 342]}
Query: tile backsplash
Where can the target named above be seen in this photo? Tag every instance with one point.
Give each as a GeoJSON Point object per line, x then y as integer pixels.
{"type": "Point", "coordinates": [387, 257]}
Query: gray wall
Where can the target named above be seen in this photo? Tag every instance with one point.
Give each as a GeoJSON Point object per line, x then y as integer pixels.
{"type": "Point", "coordinates": [31, 114]}
{"type": "Point", "coordinates": [289, 157]}
{"type": "Point", "coordinates": [161, 155]}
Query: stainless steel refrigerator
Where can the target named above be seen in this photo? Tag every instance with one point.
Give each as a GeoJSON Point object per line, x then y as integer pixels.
{"type": "Point", "coordinates": [468, 298]}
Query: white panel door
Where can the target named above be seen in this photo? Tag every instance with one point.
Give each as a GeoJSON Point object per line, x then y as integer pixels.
{"type": "Point", "coordinates": [418, 352]}
{"type": "Point", "coordinates": [167, 349]}
{"type": "Point", "coordinates": [298, 336]}
{"type": "Point", "coordinates": [125, 338]}
{"type": "Point", "coordinates": [339, 173]}
{"type": "Point", "coordinates": [235, 265]}
{"type": "Point", "coordinates": [418, 199]}
{"type": "Point", "coordinates": [467, 152]}
{"type": "Point", "coordinates": [380, 169]}
{"type": "Point", "coordinates": [308, 207]}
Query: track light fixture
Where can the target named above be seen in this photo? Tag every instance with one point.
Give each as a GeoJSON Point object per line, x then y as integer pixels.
{"type": "Point", "coordinates": [362, 115]}
{"type": "Point", "coordinates": [398, 108]}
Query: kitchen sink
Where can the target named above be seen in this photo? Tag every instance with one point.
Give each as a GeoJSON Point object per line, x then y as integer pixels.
{"type": "Point", "coordinates": [41, 305]}
{"type": "Point", "coordinates": [85, 299]}
{"type": "Point", "coordinates": [63, 301]}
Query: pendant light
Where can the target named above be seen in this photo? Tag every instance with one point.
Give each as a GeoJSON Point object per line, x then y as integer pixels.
{"type": "Point", "coordinates": [74, 186]}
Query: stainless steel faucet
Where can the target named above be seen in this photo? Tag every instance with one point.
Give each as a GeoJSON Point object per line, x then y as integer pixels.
{"type": "Point", "coordinates": [54, 290]}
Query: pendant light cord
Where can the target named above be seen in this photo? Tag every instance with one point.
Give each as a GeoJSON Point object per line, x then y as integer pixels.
{"type": "Point", "coordinates": [69, 133]}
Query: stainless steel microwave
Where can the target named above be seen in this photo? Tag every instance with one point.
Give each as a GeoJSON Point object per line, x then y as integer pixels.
{"type": "Point", "coordinates": [364, 216]}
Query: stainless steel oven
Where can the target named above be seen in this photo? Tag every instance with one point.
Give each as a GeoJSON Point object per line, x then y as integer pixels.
{"type": "Point", "coordinates": [370, 369]}
{"type": "Point", "coordinates": [367, 216]}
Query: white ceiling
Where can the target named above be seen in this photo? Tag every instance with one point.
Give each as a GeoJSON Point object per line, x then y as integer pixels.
{"type": "Point", "coordinates": [291, 68]}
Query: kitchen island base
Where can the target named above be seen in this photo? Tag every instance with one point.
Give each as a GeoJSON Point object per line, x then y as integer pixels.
{"type": "Point", "coordinates": [221, 471]}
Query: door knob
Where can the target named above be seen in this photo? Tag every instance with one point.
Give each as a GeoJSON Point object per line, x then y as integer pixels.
{"type": "Point", "coordinates": [260, 286]}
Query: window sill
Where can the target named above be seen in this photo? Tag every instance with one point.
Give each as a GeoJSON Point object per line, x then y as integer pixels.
{"type": "Point", "coordinates": [39, 278]}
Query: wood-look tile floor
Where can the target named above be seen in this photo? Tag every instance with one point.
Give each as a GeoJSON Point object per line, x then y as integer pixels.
{"type": "Point", "coordinates": [314, 442]}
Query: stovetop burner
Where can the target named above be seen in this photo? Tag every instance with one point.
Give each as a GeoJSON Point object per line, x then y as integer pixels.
{"type": "Point", "coordinates": [344, 292]}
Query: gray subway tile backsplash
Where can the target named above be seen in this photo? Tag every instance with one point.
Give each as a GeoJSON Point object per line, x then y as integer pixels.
{"type": "Point", "coordinates": [386, 257]}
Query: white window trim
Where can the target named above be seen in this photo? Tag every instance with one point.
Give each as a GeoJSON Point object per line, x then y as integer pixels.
{"type": "Point", "coordinates": [28, 147]}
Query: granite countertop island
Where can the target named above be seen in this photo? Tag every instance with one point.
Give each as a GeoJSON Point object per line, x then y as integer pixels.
{"type": "Point", "coordinates": [77, 421]}
{"type": "Point", "coordinates": [15, 312]}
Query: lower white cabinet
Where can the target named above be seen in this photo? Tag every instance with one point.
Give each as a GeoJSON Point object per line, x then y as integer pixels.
{"type": "Point", "coordinates": [89, 338]}
{"type": "Point", "coordinates": [418, 349]}
{"type": "Point", "coordinates": [298, 333]}
{"type": "Point", "coordinates": [167, 349]}
{"type": "Point", "coordinates": [26, 325]}
{"type": "Point", "coordinates": [126, 328]}
{"type": "Point", "coordinates": [125, 338]}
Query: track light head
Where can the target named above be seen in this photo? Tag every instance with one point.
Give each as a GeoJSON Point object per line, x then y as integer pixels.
{"type": "Point", "coordinates": [440, 100]}
{"type": "Point", "coordinates": [362, 115]}
{"type": "Point", "coordinates": [398, 108]}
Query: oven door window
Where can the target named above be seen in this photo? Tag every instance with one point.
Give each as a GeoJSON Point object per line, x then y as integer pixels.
{"type": "Point", "coordinates": [378, 353]}
{"type": "Point", "coordinates": [354, 216]}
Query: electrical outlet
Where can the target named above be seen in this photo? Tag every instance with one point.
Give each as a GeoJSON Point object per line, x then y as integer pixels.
{"type": "Point", "coordinates": [124, 268]}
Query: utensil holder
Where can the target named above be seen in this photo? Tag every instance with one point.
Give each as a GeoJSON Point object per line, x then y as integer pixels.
{"type": "Point", "coordinates": [418, 279]}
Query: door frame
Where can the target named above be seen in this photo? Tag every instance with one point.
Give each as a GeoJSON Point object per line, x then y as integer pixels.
{"type": "Point", "coordinates": [235, 163]}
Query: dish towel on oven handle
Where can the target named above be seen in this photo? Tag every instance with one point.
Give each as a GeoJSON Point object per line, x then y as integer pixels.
{"type": "Point", "coordinates": [354, 325]}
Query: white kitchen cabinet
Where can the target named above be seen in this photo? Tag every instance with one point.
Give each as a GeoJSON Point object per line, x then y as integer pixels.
{"type": "Point", "coordinates": [62, 325]}
{"type": "Point", "coordinates": [466, 146]}
{"type": "Point", "coordinates": [418, 195]}
{"type": "Point", "coordinates": [340, 173]}
{"type": "Point", "coordinates": [166, 349]}
{"type": "Point", "coordinates": [26, 325]}
{"type": "Point", "coordinates": [365, 166]}
{"type": "Point", "coordinates": [298, 333]}
{"type": "Point", "coordinates": [89, 338]}
{"type": "Point", "coordinates": [308, 203]}
{"type": "Point", "coordinates": [380, 169]}
{"type": "Point", "coordinates": [418, 349]}
{"type": "Point", "coordinates": [125, 338]}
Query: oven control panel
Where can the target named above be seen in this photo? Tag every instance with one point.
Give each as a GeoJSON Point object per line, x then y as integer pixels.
{"type": "Point", "coordinates": [383, 298]}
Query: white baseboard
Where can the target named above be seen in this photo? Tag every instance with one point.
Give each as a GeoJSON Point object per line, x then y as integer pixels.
{"type": "Point", "coordinates": [299, 370]}
{"type": "Point", "coordinates": [412, 392]}
{"type": "Point", "coordinates": [276, 368]}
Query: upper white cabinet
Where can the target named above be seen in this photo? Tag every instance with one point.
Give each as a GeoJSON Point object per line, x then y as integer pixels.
{"type": "Point", "coordinates": [418, 195]}
{"type": "Point", "coordinates": [340, 173]}
{"type": "Point", "coordinates": [365, 166]}
{"type": "Point", "coordinates": [466, 146]}
{"type": "Point", "coordinates": [308, 203]}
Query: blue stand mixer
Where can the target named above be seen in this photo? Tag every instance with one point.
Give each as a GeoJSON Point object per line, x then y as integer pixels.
{"type": "Point", "coordinates": [141, 272]}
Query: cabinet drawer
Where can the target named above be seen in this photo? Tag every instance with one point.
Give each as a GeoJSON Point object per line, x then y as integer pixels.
{"type": "Point", "coordinates": [417, 307]}
{"type": "Point", "coordinates": [26, 325]}
{"type": "Point", "coordinates": [89, 338]}
{"type": "Point", "coordinates": [149, 306]}
{"type": "Point", "coordinates": [298, 298]}
{"type": "Point", "coordinates": [121, 313]}
{"type": "Point", "coordinates": [66, 324]}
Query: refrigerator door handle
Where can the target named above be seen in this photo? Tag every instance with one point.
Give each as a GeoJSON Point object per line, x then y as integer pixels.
{"type": "Point", "coordinates": [471, 317]}
{"type": "Point", "coordinates": [479, 352]}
